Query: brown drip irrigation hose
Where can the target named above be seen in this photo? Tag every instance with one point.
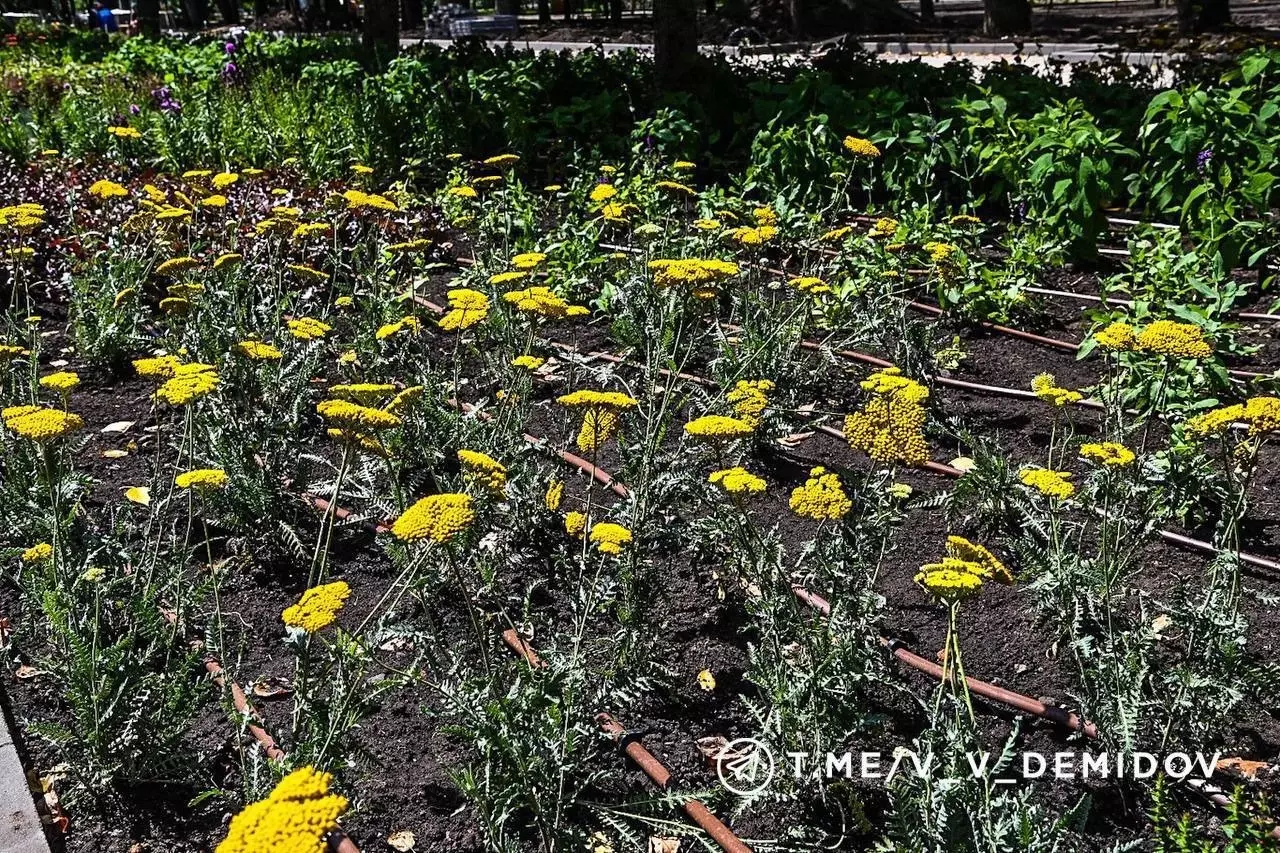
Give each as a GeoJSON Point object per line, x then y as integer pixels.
{"type": "Point", "coordinates": [644, 759]}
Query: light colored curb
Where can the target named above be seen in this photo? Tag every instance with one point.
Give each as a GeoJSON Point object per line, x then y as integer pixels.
{"type": "Point", "coordinates": [20, 827]}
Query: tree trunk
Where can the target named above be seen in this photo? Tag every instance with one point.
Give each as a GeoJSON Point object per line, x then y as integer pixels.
{"type": "Point", "coordinates": [1198, 16]}
{"type": "Point", "coordinates": [147, 14]}
{"type": "Point", "coordinates": [615, 11]}
{"type": "Point", "coordinates": [675, 42]}
{"type": "Point", "coordinates": [381, 29]}
{"type": "Point", "coordinates": [568, 10]}
{"type": "Point", "coordinates": [926, 11]}
{"type": "Point", "coordinates": [544, 11]}
{"type": "Point", "coordinates": [411, 14]}
{"type": "Point", "coordinates": [1006, 17]}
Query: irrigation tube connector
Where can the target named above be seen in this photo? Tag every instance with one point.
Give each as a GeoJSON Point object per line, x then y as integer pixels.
{"type": "Point", "coordinates": [644, 759]}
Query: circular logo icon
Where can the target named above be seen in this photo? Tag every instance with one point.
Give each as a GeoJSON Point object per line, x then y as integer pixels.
{"type": "Point", "coordinates": [745, 766]}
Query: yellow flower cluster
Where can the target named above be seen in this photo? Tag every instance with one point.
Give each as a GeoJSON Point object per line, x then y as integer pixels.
{"type": "Point", "coordinates": [610, 538]}
{"type": "Point", "coordinates": [502, 161]}
{"type": "Point", "coordinates": [436, 517]}
{"type": "Point", "coordinates": [952, 579]}
{"type": "Point", "coordinates": [528, 362]}
{"type": "Point", "coordinates": [405, 398]}
{"type": "Point", "coordinates": [809, 284]}
{"type": "Point", "coordinates": [163, 366]}
{"type": "Point", "coordinates": [202, 479]}
{"type": "Point", "coordinates": [885, 226]}
{"type": "Point", "coordinates": [409, 246]}
{"type": "Point", "coordinates": [462, 191]}
{"type": "Point", "coordinates": [9, 353]}
{"type": "Point", "coordinates": [596, 428]}
{"type": "Point", "coordinates": [189, 383]}
{"type": "Point", "coordinates": [859, 147]}
{"type": "Point", "coordinates": [962, 549]}
{"type": "Point", "coordinates": [717, 428]}
{"type": "Point", "coordinates": [467, 307]}
{"type": "Point", "coordinates": [404, 324]}
{"type": "Point", "coordinates": [700, 276]}
{"type": "Point", "coordinates": [821, 498]}
{"type": "Point", "coordinates": [296, 817]}
{"type": "Point", "coordinates": [602, 193]}
{"type": "Point", "coordinates": [1053, 484]}
{"type": "Point", "coordinates": [309, 329]}
{"type": "Point", "coordinates": [318, 607]}
{"type": "Point", "coordinates": [124, 132]}
{"type": "Point", "coordinates": [1047, 389]}
{"type": "Point", "coordinates": [748, 236]}
{"type": "Point", "coordinates": [1261, 414]}
{"type": "Point", "coordinates": [1116, 337]}
{"type": "Point", "coordinates": [177, 266]}
{"type": "Point", "coordinates": [737, 481]}
{"type": "Point", "coordinates": [542, 302]}
{"type": "Point", "coordinates": [675, 187]}
{"type": "Point", "coordinates": [37, 553]}
{"type": "Point", "coordinates": [528, 260]}
{"type": "Point", "coordinates": [483, 469]}
{"type": "Point", "coordinates": [357, 200]}
{"type": "Point", "coordinates": [589, 399]}
{"type": "Point", "coordinates": [1181, 340]}
{"type": "Point", "coordinates": [64, 382]}
{"type": "Point", "coordinates": [940, 254]}
{"type": "Point", "coordinates": [363, 442]}
{"type": "Point", "coordinates": [352, 416]}
{"type": "Point", "coordinates": [554, 495]}
{"type": "Point", "coordinates": [228, 259]}
{"type": "Point", "coordinates": [575, 523]}
{"type": "Point", "coordinates": [749, 399]}
{"type": "Point", "coordinates": [105, 189]}
{"type": "Point", "coordinates": [890, 428]}
{"type": "Point", "coordinates": [258, 351]}
{"type": "Point", "coordinates": [24, 217]}
{"type": "Point", "coordinates": [1109, 453]}
{"type": "Point", "coordinates": [307, 273]}
{"type": "Point", "coordinates": [40, 424]}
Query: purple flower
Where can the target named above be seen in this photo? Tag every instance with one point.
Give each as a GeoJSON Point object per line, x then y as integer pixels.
{"type": "Point", "coordinates": [230, 70]}
{"type": "Point", "coordinates": [1202, 160]}
{"type": "Point", "coordinates": [229, 47]}
{"type": "Point", "coordinates": [134, 109]}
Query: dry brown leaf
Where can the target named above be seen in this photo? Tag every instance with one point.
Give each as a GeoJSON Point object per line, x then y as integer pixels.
{"type": "Point", "coordinates": [1243, 766]}
{"type": "Point", "coordinates": [402, 840]}
{"type": "Point", "coordinates": [795, 438]}
{"type": "Point", "coordinates": [25, 672]}
{"type": "Point", "coordinates": [659, 844]}
{"type": "Point", "coordinates": [118, 426]}
{"type": "Point", "coordinates": [272, 688]}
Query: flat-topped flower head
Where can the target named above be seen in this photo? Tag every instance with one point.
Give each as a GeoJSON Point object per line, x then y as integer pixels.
{"type": "Point", "coordinates": [528, 260]}
{"type": "Point", "coordinates": [749, 399]}
{"type": "Point", "coordinates": [859, 147]}
{"type": "Point", "coordinates": [438, 518]}
{"type": "Point", "coordinates": [64, 382]}
{"type": "Point", "coordinates": [1053, 484]}
{"type": "Point", "coordinates": [1260, 414]}
{"type": "Point", "coordinates": [575, 524]}
{"type": "Point", "coordinates": [258, 351]}
{"type": "Point", "coordinates": [717, 428]}
{"type": "Point", "coordinates": [555, 494]}
{"type": "Point", "coordinates": [308, 329]}
{"type": "Point", "coordinates": [37, 553]}
{"type": "Point", "coordinates": [189, 383]}
{"type": "Point", "coordinates": [610, 538]}
{"type": "Point", "coordinates": [364, 393]}
{"type": "Point", "coordinates": [1108, 453]}
{"type": "Point", "coordinates": [951, 580]}
{"type": "Point", "coordinates": [890, 427]}
{"type": "Point", "coordinates": [602, 193]}
{"type": "Point", "coordinates": [751, 237]}
{"type": "Point", "coordinates": [528, 362]}
{"type": "Point", "coordinates": [483, 469]}
{"type": "Point", "coordinates": [105, 189]}
{"type": "Point", "coordinates": [1167, 337]}
{"type": "Point", "coordinates": [821, 498]}
{"type": "Point", "coordinates": [318, 607]}
{"type": "Point", "coordinates": [701, 277]}
{"type": "Point", "coordinates": [542, 302]}
{"type": "Point", "coordinates": [590, 399]}
{"type": "Point", "coordinates": [163, 366]}
{"type": "Point", "coordinates": [177, 266]}
{"type": "Point", "coordinates": [39, 424]}
{"type": "Point", "coordinates": [467, 308]}
{"type": "Point", "coordinates": [737, 481]}
{"type": "Point", "coordinates": [596, 428]}
{"type": "Point", "coordinates": [962, 549]}
{"type": "Point", "coordinates": [502, 161]}
{"type": "Point", "coordinates": [1047, 389]}
{"type": "Point", "coordinates": [297, 816]}
{"type": "Point", "coordinates": [347, 415]}
{"type": "Point", "coordinates": [202, 479]}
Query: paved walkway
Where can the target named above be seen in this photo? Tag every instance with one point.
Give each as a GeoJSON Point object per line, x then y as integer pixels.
{"type": "Point", "coordinates": [20, 829]}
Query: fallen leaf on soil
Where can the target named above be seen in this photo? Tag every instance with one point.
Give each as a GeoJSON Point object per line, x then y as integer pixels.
{"type": "Point", "coordinates": [25, 672]}
{"type": "Point", "coordinates": [658, 844]}
{"type": "Point", "coordinates": [963, 463]}
{"type": "Point", "coordinates": [794, 439]}
{"type": "Point", "coordinates": [402, 840]}
{"type": "Point", "coordinates": [706, 680]}
{"type": "Point", "coordinates": [139, 495]}
{"type": "Point", "coordinates": [1159, 624]}
{"type": "Point", "coordinates": [114, 454]}
{"type": "Point", "coordinates": [1246, 768]}
{"type": "Point", "coordinates": [272, 688]}
{"type": "Point", "coordinates": [711, 747]}
{"type": "Point", "coordinates": [118, 426]}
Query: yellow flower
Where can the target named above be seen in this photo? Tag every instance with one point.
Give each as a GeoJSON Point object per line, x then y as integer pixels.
{"type": "Point", "coordinates": [364, 393]}
{"type": "Point", "coordinates": [706, 680]}
{"type": "Point", "coordinates": [296, 817]}
{"type": "Point", "coordinates": [1053, 484]}
{"type": "Point", "coordinates": [885, 226]}
{"type": "Point", "coordinates": [683, 166]}
{"type": "Point", "coordinates": [214, 201]}
{"type": "Point", "coordinates": [177, 266]}
{"type": "Point", "coordinates": [1261, 414]}
{"type": "Point", "coordinates": [467, 307]}
{"type": "Point", "coordinates": [226, 260]}
{"type": "Point", "coordinates": [202, 479]}
{"type": "Point", "coordinates": [597, 425]}
{"type": "Point", "coordinates": [483, 469]}
{"type": "Point", "coordinates": [575, 523]}
{"type": "Point", "coordinates": [835, 235]}
{"type": "Point", "coordinates": [603, 192]}
{"type": "Point", "coordinates": [405, 398]}
{"type": "Point", "coordinates": [541, 301]}
{"type": "Point", "coordinates": [610, 538]}
{"type": "Point", "coordinates": [528, 261]}
{"type": "Point", "coordinates": [962, 549]}
{"type": "Point", "coordinates": [258, 351]}
{"type": "Point", "coordinates": [352, 416]}
{"type": "Point", "coordinates": [941, 254]}
{"type": "Point", "coordinates": [675, 187]}
{"type": "Point", "coordinates": [40, 424]}
{"type": "Point", "coordinates": [890, 428]}
{"type": "Point", "coordinates": [1107, 453]}
{"type": "Point", "coordinates": [357, 200]}
{"type": "Point", "coordinates": [37, 553]}
{"type": "Point", "coordinates": [718, 428]}
{"type": "Point", "coordinates": [951, 580]}
{"type": "Point", "coordinates": [164, 366]}
{"type": "Point", "coordinates": [311, 229]}
{"type": "Point", "coordinates": [737, 481]}
{"type": "Point", "coordinates": [105, 189]}
{"type": "Point", "coordinates": [528, 362]}
{"type": "Point", "coordinates": [317, 608]}
{"type": "Point", "coordinates": [554, 495]}
{"type": "Point", "coordinates": [706, 224]}
{"type": "Point", "coordinates": [462, 192]}
{"type": "Point", "coordinates": [308, 273]}
{"type": "Point", "coordinates": [1181, 340]}
{"type": "Point", "coordinates": [9, 352]}
{"type": "Point", "coordinates": [409, 246]}
{"type": "Point", "coordinates": [1047, 389]}
{"type": "Point", "coordinates": [189, 383]}
{"type": "Point", "coordinates": [502, 161]}
{"type": "Point", "coordinates": [746, 236]}
{"type": "Point", "coordinates": [222, 180]}
{"type": "Point", "coordinates": [308, 329]}
{"type": "Point", "coordinates": [64, 382]}
{"type": "Point", "coordinates": [124, 132]}
{"type": "Point", "coordinates": [821, 498]}
{"type": "Point", "coordinates": [860, 147]}
{"type": "Point", "coordinates": [810, 284]}
{"type": "Point", "coordinates": [589, 399]}
{"type": "Point", "coordinates": [437, 517]}
{"type": "Point", "coordinates": [700, 276]}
